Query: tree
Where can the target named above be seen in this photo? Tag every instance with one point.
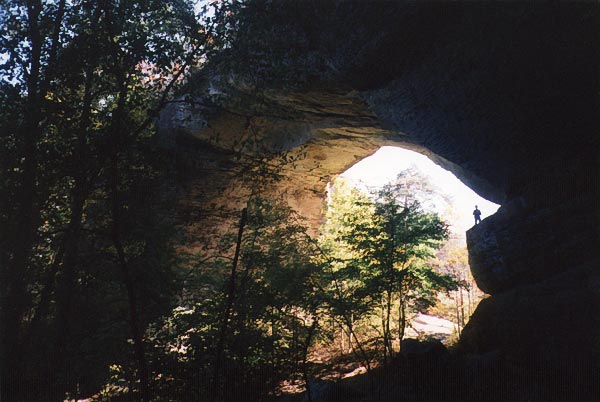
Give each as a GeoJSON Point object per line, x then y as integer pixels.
{"type": "Point", "coordinates": [459, 304]}
{"type": "Point", "coordinates": [387, 243]}
{"type": "Point", "coordinates": [253, 317]}
{"type": "Point", "coordinates": [82, 83]}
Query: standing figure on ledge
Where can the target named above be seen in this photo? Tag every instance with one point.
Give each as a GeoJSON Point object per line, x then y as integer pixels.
{"type": "Point", "coordinates": [477, 215]}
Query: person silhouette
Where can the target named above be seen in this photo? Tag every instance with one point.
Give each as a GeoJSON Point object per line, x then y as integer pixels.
{"type": "Point", "coordinates": [477, 215]}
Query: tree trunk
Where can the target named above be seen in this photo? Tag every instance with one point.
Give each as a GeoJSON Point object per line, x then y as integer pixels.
{"type": "Point", "coordinates": [459, 328]}
{"type": "Point", "coordinates": [16, 298]}
{"type": "Point", "coordinates": [388, 334]}
{"type": "Point", "coordinates": [402, 318]}
{"type": "Point", "coordinates": [383, 326]}
{"type": "Point", "coordinates": [230, 295]}
{"type": "Point", "coordinates": [117, 208]}
{"type": "Point", "coordinates": [350, 348]}
{"type": "Point", "coordinates": [68, 244]}
{"type": "Point", "coordinates": [116, 237]}
{"type": "Point", "coordinates": [462, 309]}
{"type": "Point", "coordinates": [305, 372]}
{"type": "Point", "coordinates": [470, 301]}
{"type": "Point", "coordinates": [116, 234]}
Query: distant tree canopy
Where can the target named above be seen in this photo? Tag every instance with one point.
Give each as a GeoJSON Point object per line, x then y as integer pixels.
{"type": "Point", "coordinates": [381, 248]}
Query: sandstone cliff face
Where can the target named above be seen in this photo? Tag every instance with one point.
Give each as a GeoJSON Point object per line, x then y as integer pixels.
{"type": "Point", "coordinates": [521, 245]}
{"type": "Point", "coordinates": [505, 96]}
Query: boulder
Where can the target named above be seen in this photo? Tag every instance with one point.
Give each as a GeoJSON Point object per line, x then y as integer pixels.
{"type": "Point", "coordinates": [431, 349]}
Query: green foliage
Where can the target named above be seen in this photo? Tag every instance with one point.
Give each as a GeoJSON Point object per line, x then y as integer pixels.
{"type": "Point", "coordinates": [380, 249]}
{"type": "Point", "coordinates": [274, 307]}
{"type": "Point", "coordinates": [82, 83]}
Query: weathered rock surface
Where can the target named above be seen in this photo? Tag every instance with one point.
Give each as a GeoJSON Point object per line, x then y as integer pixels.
{"type": "Point", "coordinates": [544, 319]}
{"type": "Point", "coordinates": [547, 333]}
{"type": "Point", "coordinates": [520, 245]}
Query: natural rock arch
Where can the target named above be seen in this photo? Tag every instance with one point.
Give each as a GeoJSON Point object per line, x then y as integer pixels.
{"type": "Point", "coordinates": [506, 98]}
{"type": "Point", "coordinates": [329, 130]}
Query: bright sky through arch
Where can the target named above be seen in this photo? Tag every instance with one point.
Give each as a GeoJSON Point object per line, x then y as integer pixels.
{"type": "Point", "coordinates": [210, 11]}
{"type": "Point", "coordinates": [385, 164]}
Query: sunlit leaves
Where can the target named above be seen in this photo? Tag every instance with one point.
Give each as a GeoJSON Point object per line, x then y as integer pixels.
{"type": "Point", "coordinates": [379, 247]}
